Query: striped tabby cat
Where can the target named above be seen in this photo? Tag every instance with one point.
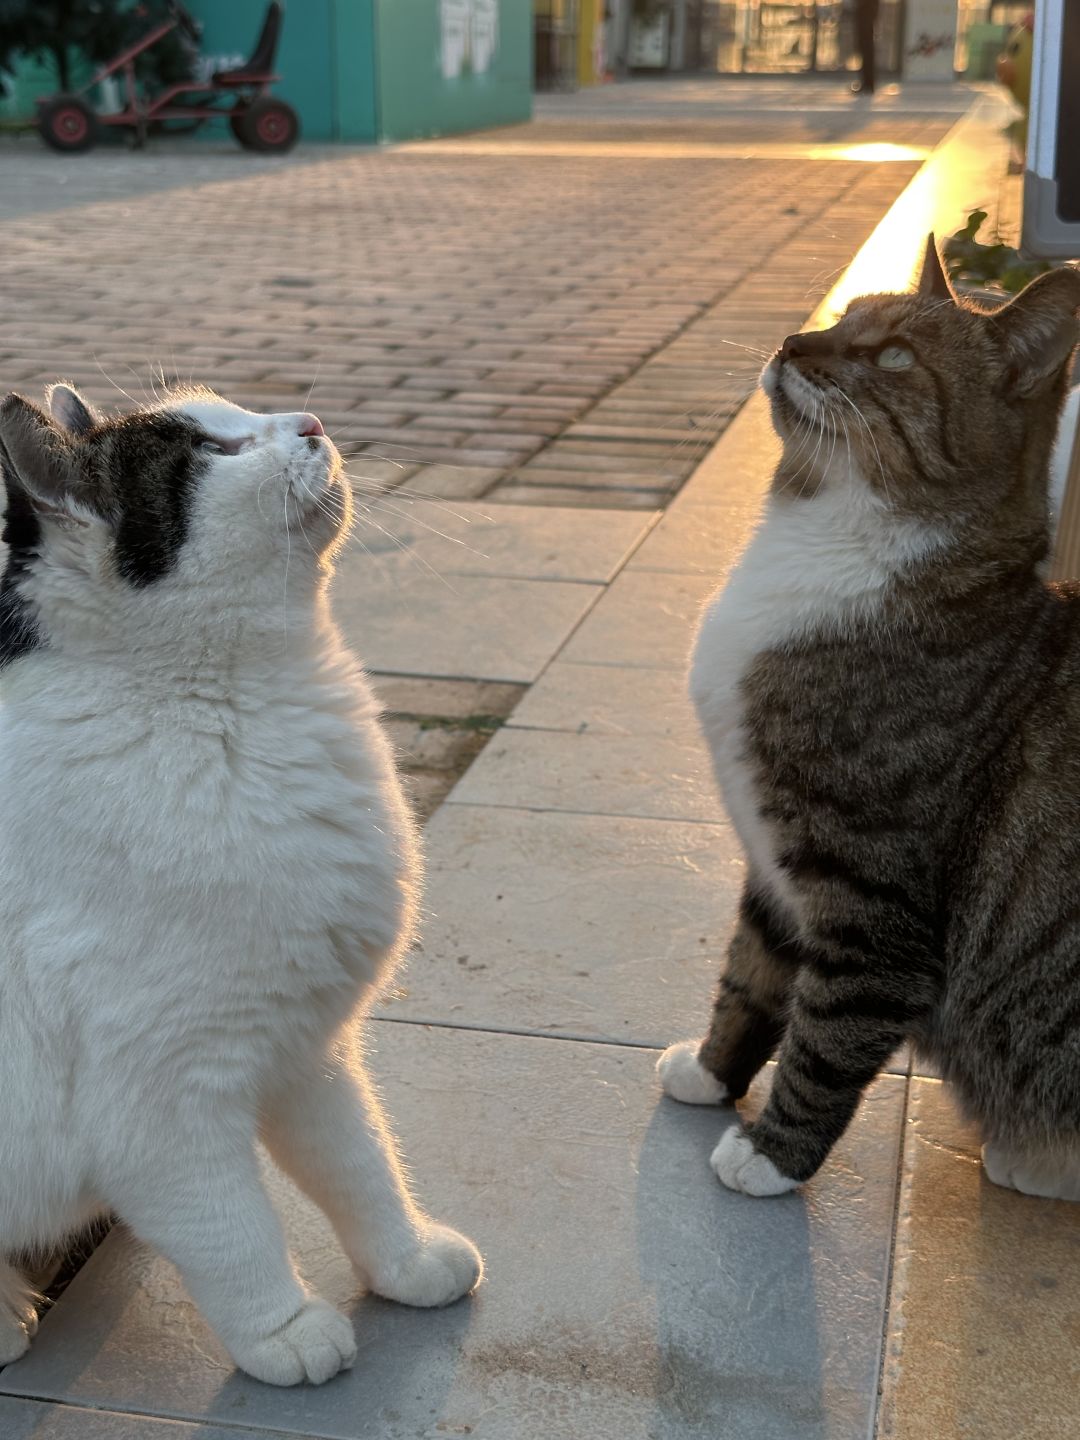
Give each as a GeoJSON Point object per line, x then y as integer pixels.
{"type": "Point", "coordinates": [891, 695]}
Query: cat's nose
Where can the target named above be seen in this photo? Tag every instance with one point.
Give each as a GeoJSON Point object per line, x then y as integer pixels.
{"type": "Point", "coordinates": [815, 343]}
{"type": "Point", "coordinates": [309, 425]}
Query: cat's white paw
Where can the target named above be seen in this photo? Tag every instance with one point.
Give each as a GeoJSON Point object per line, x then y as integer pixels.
{"type": "Point", "coordinates": [741, 1168]}
{"type": "Point", "coordinates": [684, 1078]}
{"type": "Point", "coordinates": [18, 1326]}
{"type": "Point", "coordinates": [313, 1346]}
{"type": "Point", "coordinates": [441, 1269]}
{"type": "Point", "coordinates": [1049, 1178]}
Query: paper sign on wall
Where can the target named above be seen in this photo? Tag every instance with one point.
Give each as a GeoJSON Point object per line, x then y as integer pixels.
{"type": "Point", "coordinates": [469, 36]}
{"type": "Point", "coordinates": [929, 39]}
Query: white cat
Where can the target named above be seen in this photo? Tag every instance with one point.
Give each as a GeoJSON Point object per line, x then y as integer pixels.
{"type": "Point", "coordinates": [206, 870]}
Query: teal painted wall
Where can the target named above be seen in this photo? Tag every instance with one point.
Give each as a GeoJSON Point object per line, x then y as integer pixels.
{"type": "Point", "coordinates": [324, 58]}
{"type": "Point", "coordinates": [355, 72]}
{"type": "Point", "coordinates": [35, 77]}
{"type": "Point", "coordinates": [417, 97]}
{"type": "Point", "coordinates": [367, 70]}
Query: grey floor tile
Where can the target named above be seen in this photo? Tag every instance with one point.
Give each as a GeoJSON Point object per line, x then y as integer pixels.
{"type": "Point", "coordinates": [609, 928]}
{"type": "Point", "coordinates": [647, 775]}
{"type": "Point", "coordinates": [700, 539]}
{"type": "Point", "coordinates": [628, 1295]}
{"type": "Point", "coordinates": [579, 925]}
{"type": "Point", "coordinates": [40, 1420]}
{"type": "Point", "coordinates": [740, 466]}
{"type": "Point", "coordinates": [517, 541]}
{"type": "Point", "coordinates": [643, 620]}
{"type": "Point", "coordinates": [608, 700]}
{"type": "Point", "coordinates": [404, 619]}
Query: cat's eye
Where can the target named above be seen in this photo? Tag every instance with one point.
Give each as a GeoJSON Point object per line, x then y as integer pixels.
{"type": "Point", "coordinates": [216, 445]}
{"type": "Point", "coordinates": [894, 357]}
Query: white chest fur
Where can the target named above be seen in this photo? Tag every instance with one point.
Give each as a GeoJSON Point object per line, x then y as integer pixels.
{"type": "Point", "coordinates": [812, 565]}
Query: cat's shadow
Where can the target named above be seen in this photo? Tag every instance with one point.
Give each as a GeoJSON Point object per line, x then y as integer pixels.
{"type": "Point", "coordinates": [735, 1284]}
{"type": "Point", "coordinates": [402, 1354]}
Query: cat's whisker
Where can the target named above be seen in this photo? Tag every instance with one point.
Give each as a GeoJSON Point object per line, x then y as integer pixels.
{"type": "Point", "coordinates": [408, 550]}
{"type": "Point", "coordinates": [812, 428]}
{"type": "Point", "coordinates": [119, 388]}
{"type": "Point", "coordinates": [392, 498]}
{"type": "Point", "coordinates": [135, 374]}
{"type": "Point", "coordinates": [285, 588]}
{"type": "Point", "coordinates": [831, 432]}
{"type": "Point", "coordinates": [343, 445]}
{"type": "Point", "coordinates": [750, 349]}
{"type": "Point", "coordinates": [453, 539]}
{"type": "Point", "coordinates": [873, 441]}
{"type": "Point", "coordinates": [277, 475]}
{"type": "Point", "coordinates": [820, 281]}
{"type": "Point", "coordinates": [158, 398]}
{"type": "Point", "coordinates": [311, 387]}
{"type": "Point", "coordinates": [391, 511]}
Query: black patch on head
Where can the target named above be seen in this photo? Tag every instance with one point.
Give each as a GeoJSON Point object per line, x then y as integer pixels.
{"type": "Point", "coordinates": [143, 474]}
{"type": "Point", "coordinates": [19, 632]}
{"type": "Point", "coordinates": [137, 473]}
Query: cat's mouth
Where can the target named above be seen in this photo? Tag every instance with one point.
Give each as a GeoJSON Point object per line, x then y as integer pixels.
{"type": "Point", "coordinates": [795, 399]}
{"type": "Point", "coordinates": [315, 490]}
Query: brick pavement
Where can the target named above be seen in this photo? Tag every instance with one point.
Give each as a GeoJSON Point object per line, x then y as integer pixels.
{"type": "Point", "coordinates": [542, 329]}
{"type": "Point", "coordinates": [572, 329]}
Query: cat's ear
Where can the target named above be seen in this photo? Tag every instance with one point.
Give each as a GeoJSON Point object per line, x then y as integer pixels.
{"type": "Point", "coordinates": [933, 282]}
{"type": "Point", "coordinates": [70, 411]}
{"type": "Point", "coordinates": [39, 455]}
{"type": "Point", "coordinates": [1039, 329]}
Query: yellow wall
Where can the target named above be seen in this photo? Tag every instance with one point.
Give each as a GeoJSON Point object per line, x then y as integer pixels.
{"type": "Point", "coordinates": [590, 15]}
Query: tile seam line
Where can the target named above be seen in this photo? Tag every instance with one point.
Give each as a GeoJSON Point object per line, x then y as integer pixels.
{"type": "Point", "coordinates": [719, 823]}
{"type": "Point", "coordinates": [197, 1423]}
{"type": "Point", "coordinates": [519, 1032]}
{"type": "Point", "coordinates": [565, 1038]}
{"type": "Point", "coordinates": [894, 1237]}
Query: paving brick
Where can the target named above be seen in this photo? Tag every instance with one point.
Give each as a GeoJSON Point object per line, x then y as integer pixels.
{"type": "Point", "coordinates": [590, 497]}
{"type": "Point", "coordinates": [453, 482]}
{"type": "Point", "coordinates": [452, 309]}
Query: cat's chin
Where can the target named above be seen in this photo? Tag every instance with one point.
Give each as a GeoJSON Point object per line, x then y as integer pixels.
{"type": "Point", "coordinates": [789, 422]}
{"type": "Point", "coordinates": [321, 505]}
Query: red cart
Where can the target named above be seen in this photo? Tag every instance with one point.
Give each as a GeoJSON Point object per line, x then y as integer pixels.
{"type": "Point", "coordinates": [259, 120]}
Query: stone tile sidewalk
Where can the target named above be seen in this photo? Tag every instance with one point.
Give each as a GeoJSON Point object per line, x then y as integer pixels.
{"type": "Point", "coordinates": [582, 877]}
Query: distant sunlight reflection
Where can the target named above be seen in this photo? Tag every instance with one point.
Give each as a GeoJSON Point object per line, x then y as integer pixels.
{"type": "Point", "coordinates": [870, 154]}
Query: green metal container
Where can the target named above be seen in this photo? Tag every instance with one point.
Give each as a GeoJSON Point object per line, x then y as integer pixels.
{"type": "Point", "coordinates": [374, 70]}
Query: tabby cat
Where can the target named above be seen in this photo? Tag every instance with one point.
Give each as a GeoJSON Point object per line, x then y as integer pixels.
{"type": "Point", "coordinates": [890, 692]}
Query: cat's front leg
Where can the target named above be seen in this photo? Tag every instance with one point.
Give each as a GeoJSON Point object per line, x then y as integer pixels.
{"type": "Point", "coordinates": [325, 1127]}
{"type": "Point", "coordinates": [197, 1197]}
{"type": "Point", "coordinates": [748, 1013]}
{"type": "Point", "coordinates": [18, 1314]}
{"type": "Point", "coordinates": [859, 994]}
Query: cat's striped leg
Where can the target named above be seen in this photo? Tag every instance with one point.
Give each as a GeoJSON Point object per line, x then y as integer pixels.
{"type": "Point", "coordinates": [857, 997]}
{"type": "Point", "coordinates": [748, 1013]}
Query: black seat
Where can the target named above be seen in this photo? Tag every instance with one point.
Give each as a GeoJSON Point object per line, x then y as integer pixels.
{"type": "Point", "coordinates": [261, 61]}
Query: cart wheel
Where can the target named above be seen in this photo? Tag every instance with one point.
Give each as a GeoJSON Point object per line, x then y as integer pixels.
{"type": "Point", "coordinates": [236, 125]}
{"type": "Point", "coordinates": [268, 125]}
{"type": "Point", "coordinates": [67, 123]}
